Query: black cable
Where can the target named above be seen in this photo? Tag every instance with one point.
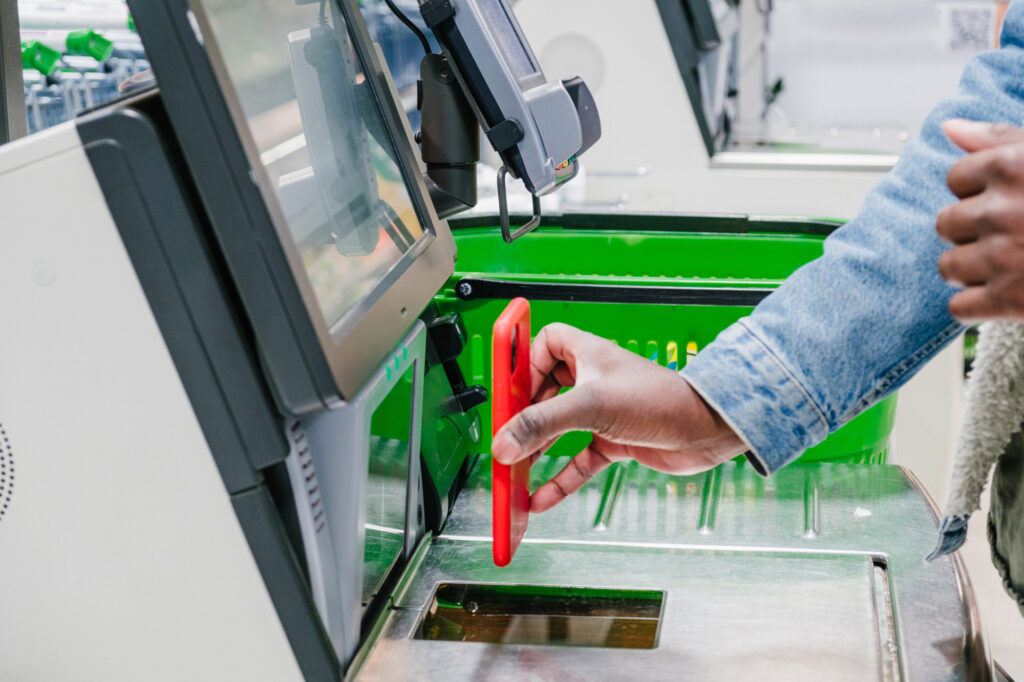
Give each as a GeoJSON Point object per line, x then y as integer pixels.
{"type": "Point", "coordinates": [408, 22]}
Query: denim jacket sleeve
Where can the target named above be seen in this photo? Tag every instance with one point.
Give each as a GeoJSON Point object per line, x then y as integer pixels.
{"type": "Point", "coordinates": [851, 327]}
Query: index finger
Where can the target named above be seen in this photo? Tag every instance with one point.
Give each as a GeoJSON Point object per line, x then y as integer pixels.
{"type": "Point", "coordinates": [539, 425]}
{"type": "Point", "coordinates": [554, 344]}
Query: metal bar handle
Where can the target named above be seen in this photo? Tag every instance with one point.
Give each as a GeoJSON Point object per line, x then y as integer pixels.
{"type": "Point", "coordinates": [480, 288]}
{"type": "Point", "coordinates": [506, 232]}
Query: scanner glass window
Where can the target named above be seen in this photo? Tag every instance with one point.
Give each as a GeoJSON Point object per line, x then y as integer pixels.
{"type": "Point", "coordinates": [322, 142]}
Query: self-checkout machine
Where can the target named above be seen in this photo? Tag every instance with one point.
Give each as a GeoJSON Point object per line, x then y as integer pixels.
{"type": "Point", "coordinates": [235, 445]}
{"type": "Point", "coordinates": [231, 474]}
{"type": "Point", "coordinates": [672, 68]}
{"type": "Point", "coordinates": [774, 107]}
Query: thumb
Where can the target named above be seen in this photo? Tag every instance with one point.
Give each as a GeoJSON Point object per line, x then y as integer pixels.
{"type": "Point", "coordinates": [539, 424]}
{"type": "Point", "coordinates": [974, 136]}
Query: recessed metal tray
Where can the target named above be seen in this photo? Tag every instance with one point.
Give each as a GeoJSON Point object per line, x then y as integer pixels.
{"type": "Point", "coordinates": [816, 573]}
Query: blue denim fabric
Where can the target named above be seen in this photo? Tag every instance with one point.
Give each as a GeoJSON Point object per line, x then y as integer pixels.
{"type": "Point", "coordinates": [952, 536]}
{"type": "Point", "coordinates": [848, 329]}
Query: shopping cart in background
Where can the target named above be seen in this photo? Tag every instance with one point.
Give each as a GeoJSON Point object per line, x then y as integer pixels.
{"type": "Point", "coordinates": [67, 67]}
{"type": "Point", "coordinates": [78, 82]}
{"type": "Point", "coordinates": [77, 86]}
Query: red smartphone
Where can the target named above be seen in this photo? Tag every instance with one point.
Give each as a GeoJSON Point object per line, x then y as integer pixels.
{"type": "Point", "coordinates": [510, 393]}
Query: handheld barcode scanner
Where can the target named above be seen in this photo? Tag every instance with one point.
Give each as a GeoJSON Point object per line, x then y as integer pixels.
{"type": "Point", "coordinates": [539, 128]}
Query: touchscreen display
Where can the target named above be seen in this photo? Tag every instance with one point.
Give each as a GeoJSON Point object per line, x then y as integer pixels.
{"type": "Point", "coordinates": [507, 33]}
{"type": "Point", "coordinates": [322, 140]}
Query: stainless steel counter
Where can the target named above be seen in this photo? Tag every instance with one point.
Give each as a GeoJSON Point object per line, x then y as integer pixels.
{"type": "Point", "coordinates": [816, 573]}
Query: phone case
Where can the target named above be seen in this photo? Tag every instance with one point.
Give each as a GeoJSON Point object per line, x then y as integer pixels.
{"type": "Point", "coordinates": [510, 382]}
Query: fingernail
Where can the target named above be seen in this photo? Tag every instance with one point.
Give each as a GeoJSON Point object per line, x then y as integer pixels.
{"type": "Point", "coordinates": [967, 126]}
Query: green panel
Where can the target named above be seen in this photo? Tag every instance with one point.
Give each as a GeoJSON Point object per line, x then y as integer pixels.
{"type": "Point", "coordinates": [653, 258]}
{"type": "Point", "coordinates": [662, 258]}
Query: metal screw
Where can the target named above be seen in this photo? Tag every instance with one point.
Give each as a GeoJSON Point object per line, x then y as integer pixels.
{"type": "Point", "coordinates": [464, 289]}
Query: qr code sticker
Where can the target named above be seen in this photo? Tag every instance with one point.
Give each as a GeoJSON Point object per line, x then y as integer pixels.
{"type": "Point", "coordinates": [970, 27]}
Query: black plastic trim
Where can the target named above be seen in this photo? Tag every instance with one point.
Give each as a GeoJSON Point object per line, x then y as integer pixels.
{"type": "Point", "coordinates": [505, 135]}
{"type": "Point", "coordinates": [244, 228]}
{"type": "Point", "coordinates": [677, 23]}
{"type": "Point", "coordinates": [434, 12]}
{"type": "Point", "coordinates": [449, 137]}
{"type": "Point", "coordinates": [146, 187]}
{"type": "Point", "coordinates": [476, 288]}
{"type": "Point", "coordinates": [147, 194]}
{"type": "Point", "coordinates": [13, 122]}
{"type": "Point", "coordinates": [282, 574]}
{"type": "Point", "coordinates": [307, 367]}
{"type": "Point", "coordinates": [703, 21]}
{"type": "Point", "coordinates": [586, 109]}
{"type": "Point", "coordinates": [664, 222]}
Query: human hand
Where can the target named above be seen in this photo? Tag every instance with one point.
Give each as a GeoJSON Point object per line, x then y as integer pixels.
{"type": "Point", "coordinates": [987, 224]}
{"type": "Point", "coordinates": [635, 408]}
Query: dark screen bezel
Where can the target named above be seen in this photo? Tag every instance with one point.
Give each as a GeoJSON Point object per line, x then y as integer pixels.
{"type": "Point", "coordinates": [310, 365]}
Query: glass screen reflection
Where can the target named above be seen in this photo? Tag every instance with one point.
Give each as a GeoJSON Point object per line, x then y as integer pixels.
{"type": "Point", "coordinates": [322, 141]}
{"type": "Point", "coordinates": [387, 483]}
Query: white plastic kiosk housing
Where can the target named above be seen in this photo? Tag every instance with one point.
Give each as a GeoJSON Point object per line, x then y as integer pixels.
{"type": "Point", "coordinates": [246, 254]}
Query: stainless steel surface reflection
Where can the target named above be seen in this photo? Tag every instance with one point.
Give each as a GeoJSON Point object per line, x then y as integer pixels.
{"type": "Point", "coordinates": [816, 573]}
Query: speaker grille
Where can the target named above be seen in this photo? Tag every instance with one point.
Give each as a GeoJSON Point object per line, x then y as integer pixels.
{"type": "Point", "coordinates": [6, 471]}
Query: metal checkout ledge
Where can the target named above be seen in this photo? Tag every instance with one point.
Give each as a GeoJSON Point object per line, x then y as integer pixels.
{"type": "Point", "coordinates": [234, 443]}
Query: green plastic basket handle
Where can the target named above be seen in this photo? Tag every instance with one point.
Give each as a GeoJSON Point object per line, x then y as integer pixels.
{"type": "Point", "coordinates": [37, 56]}
{"type": "Point", "coordinates": [90, 44]}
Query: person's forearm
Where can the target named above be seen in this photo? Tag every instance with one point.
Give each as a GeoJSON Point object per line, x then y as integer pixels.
{"type": "Point", "coordinates": [851, 327]}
